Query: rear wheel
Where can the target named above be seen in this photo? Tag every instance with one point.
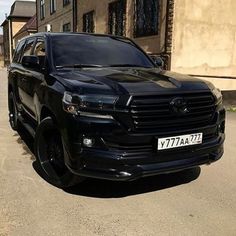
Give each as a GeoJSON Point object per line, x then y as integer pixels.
{"type": "Point", "coordinates": [50, 155]}
{"type": "Point", "coordinates": [13, 112]}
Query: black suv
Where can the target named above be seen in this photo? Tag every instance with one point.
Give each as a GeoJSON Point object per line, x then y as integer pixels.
{"type": "Point", "coordinates": [99, 106]}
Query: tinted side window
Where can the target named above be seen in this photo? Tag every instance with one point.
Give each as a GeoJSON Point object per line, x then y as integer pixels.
{"type": "Point", "coordinates": [18, 51]}
{"type": "Point", "coordinates": [28, 47]}
{"type": "Point", "coordinates": [39, 51]}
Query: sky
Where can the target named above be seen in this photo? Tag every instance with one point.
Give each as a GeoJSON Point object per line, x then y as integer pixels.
{"type": "Point", "coordinates": [5, 7]}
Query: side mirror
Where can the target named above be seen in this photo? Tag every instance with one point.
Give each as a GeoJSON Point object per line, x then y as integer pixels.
{"type": "Point", "coordinates": [31, 62]}
{"type": "Point", "coordinates": [158, 61]}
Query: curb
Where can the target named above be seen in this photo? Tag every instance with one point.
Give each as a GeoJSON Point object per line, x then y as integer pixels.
{"type": "Point", "coordinates": [229, 97]}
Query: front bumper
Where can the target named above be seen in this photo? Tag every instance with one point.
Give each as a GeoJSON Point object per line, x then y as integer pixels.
{"type": "Point", "coordinates": [139, 157]}
{"type": "Point", "coordinates": [111, 166]}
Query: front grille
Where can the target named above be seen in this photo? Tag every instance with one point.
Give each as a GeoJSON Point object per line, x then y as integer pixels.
{"type": "Point", "coordinates": [154, 113]}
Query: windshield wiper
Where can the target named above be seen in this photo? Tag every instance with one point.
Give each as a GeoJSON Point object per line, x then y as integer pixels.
{"type": "Point", "coordinates": [99, 66]}
{"type": "Point", "coordinates": [79, 66]}
{"type": "Point", "coordinates": [128, 65]}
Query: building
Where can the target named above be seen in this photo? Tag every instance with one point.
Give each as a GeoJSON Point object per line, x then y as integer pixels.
{"type": "Point", "coordinates": [1, 45]}
{"type": "Point", "coordinates": [204, 40]}
{"type": "Point", "coordinates": [55, 15]}
{"type": "Point", "coordinates": [196, 37]}
{"type": "Point", "coordinates": [29, 28]}
{"type": "Point", "coordinates": [1, 51]}
{"type": "Point", "coordinates": [20, 14]}
{"type": "Point", "coordinates": [110, 17]}
{"type": "Point", "coordinates": [145, 21]}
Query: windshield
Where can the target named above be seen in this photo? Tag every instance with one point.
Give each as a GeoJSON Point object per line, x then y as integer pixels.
{"type": "Point", "coordinates": [93, 50]}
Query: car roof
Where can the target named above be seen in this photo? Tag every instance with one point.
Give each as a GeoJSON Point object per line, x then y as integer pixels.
{"type": "Point", "coordinates": [50, 34]}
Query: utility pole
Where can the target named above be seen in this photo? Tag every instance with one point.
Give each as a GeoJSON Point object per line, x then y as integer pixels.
{"type": "Point", "coordinates": [10, 40]}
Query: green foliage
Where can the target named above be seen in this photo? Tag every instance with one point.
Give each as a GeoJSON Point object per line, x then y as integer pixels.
{"type": "Point", "coordinates": [231, 109]}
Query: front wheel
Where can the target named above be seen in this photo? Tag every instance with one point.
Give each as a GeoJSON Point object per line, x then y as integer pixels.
{"type": "Point", "coordinates": [50, 155]}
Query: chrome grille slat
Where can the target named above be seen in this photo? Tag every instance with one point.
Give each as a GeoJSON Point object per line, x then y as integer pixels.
{"type": "Point", "coordinates": [170, 116]}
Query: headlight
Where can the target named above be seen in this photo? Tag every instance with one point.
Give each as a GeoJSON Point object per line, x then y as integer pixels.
{"type": "Point", "coordinates": [89, 105]}
{"type": "Point", "coordinates": [216, 92]}
{"type": "Point", "coordinates": [218, 95]}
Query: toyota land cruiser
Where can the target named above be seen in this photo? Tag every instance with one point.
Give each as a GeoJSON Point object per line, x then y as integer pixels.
{"type": "Point", "coordinates": [98, 106]}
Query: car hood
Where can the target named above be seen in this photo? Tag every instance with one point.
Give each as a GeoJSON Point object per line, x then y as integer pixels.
{"type": "Point", "coordinates": [128, 81]}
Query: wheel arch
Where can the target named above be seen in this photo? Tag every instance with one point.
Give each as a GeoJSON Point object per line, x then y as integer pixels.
{"type": "Point", "coordinates": [10, 88]}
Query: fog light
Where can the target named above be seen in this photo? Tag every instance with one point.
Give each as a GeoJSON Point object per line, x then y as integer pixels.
{"type": "Point", "coordinates": [88, 142]}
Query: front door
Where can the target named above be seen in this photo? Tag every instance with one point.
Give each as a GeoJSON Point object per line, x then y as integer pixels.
{"type": "Point", "coordinates": [24, 84]}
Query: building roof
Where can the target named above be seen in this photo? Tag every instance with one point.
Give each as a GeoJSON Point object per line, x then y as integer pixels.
{"type": "Point", "coordinates": [23, 9]}
{"type": "Point", "coordinates": [31, 25]}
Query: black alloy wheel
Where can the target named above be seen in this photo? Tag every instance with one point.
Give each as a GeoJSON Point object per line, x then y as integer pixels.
{"type": "Point", "coordinates": [49, 153]}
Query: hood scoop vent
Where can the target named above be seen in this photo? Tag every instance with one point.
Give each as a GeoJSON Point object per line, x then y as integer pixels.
{"type": "Point", "coordinates": [160, 79]}
{"type": "Point", "coordinates": [166, 83]}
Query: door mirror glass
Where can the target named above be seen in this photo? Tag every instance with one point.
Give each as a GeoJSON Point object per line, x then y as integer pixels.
{"type": "Point", "coordinates": [30, 62]}
{"type": "Point", "coordinates": [158, 61]}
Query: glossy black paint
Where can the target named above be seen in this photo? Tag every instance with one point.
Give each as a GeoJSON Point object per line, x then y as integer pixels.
{"type": "Point", "coordinates": [119, 152]}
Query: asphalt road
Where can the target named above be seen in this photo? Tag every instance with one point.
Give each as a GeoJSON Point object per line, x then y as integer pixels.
{"type": "Point", "coordinates": [197, 202]}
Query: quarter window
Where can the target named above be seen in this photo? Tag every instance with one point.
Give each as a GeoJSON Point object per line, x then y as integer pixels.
{"type": "Point", "coordinates": [117, 18]}
{"type": "Point", "coordinates": [52, 6]}
{"type": "Point", "coordinates": [88, 22]}
{"type": "Point", "coordinates": [39, 51]}
{"type": "Point", "coordinates": [146, 17]}
{"type": "Point", "coordinates": [42, 9]}
{"type": "Point", "coordinates": [28, 47]}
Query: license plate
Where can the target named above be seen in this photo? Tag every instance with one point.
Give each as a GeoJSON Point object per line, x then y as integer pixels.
{"type": "Point", "coordinates": [179, 141]}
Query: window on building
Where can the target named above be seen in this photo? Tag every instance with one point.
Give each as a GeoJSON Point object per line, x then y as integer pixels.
{"type": "Point", "coordinates": [146, 17]}
{"type": "Point", "coordinates": [42, 9]}
{"type": "Point", "coordinates": [67, 27]}
{"type": "Point", "coordinates": [66, 2]}
{"type": "Point", "coordinates": [88, 22]}
{"type": "Point", "coordinates": [117, 17]}
{"type": "Point", "coordinates": [52, 6]}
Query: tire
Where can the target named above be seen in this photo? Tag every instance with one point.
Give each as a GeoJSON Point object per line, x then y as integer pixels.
{"type": "Point", "coordinates": [50, 155]}
{"type": "Point", "coordinates": [13, 112]}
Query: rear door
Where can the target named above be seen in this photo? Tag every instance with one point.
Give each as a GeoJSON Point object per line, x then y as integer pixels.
{"type": "Point", "coordinates": [15, 69]}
